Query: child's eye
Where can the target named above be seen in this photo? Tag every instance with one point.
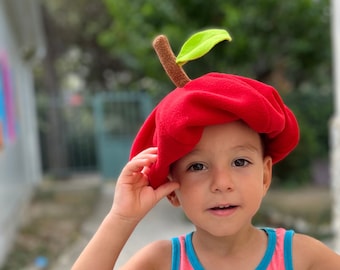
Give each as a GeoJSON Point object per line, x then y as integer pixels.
{"type": "Point", "coordinates": [196, 167]}
{"type": "Point", "coordinates": [241, 162]}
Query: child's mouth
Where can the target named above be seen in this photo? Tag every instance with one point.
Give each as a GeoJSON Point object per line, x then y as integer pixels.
{"type": "Point", "coordinates": [223, 210]}
{"type": "Point", "coordinates": [223, 207]}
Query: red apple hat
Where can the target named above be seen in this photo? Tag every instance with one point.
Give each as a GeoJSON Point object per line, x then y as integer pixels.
{"type": "Point", "coordinates": [176, 124]}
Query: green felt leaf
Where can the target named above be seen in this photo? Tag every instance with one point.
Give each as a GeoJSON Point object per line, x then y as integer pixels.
{"type": "Point", "coordinates": [201, 43]}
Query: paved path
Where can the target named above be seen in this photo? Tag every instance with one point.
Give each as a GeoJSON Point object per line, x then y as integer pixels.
{"type": "Point", "coordinates": [163, 222]}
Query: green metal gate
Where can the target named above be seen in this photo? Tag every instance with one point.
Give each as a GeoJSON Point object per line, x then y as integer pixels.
{"type": "Point", "coordinates": [118, 116]}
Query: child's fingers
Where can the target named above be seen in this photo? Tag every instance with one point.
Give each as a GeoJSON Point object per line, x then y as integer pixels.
{"type": "Point", "coordinates": [166, 189]}
{"type": "Point", "coordinates": [140, 163]}
{"type": "Point", "coordinates": [137, 164]}
{"type": "Point", "coordinates": [150, 150]}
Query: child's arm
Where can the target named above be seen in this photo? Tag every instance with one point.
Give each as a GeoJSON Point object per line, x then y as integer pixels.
{"type": "Point", "coordinates": [309, 253]}
{"type": "Point", "coordinates": [133, 199]}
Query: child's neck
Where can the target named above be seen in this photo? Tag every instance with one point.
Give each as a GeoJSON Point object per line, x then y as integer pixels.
{"type": "Point", "coordinates": [230, 251]}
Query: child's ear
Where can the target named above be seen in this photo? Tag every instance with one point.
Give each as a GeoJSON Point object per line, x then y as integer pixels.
{"type": "Point", "coordinates": [173, 199]}
{"type": "Point", "coordinates": [267, 173]}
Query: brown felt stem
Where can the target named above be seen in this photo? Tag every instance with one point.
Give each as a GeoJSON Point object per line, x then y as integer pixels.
{"type": "Point", "coordinates": [168, 61]}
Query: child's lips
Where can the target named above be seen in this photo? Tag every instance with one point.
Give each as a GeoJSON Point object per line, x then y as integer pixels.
{"type": "Point", "coordinates": [223, 209]}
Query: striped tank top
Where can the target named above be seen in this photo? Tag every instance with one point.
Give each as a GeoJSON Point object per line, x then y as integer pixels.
{"type": "Point", "coordinates": [278, 255]}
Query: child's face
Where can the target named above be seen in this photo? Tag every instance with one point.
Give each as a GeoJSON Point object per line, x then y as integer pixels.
{"type": "Point", "coordinates": [223, 179]}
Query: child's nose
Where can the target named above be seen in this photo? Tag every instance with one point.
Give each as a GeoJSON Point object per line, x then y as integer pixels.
{"type": "Point", "coordinates": [221, 181]}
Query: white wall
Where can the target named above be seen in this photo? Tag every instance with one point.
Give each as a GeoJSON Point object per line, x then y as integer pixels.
{"type": "Point", "coordinates": [19, 160]}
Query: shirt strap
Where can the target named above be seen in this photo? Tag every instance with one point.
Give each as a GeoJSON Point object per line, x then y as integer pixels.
{"type": "Point", "coordinates": [288, 250]}
{"type": "Point", "coordinates": [175, 253]}
{"type": "Point", "coordinates": [270, 249]}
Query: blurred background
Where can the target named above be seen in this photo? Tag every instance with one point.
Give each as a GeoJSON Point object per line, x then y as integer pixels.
{"type": "Point", "coordinates": [77, 79]}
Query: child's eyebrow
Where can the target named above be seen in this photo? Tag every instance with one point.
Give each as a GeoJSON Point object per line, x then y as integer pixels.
{"type": "Point", "coordinates": [247, 147]}
{"type": "Point", "coordinates": [192, 153]}
{"type": "Point", "coordinates": [242, 147]}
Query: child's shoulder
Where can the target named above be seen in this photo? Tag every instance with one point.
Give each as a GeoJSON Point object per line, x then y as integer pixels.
{"type": "Point", "coordinates": [310, 253]}
{"type": "Point", "coordinates": [156, 255]}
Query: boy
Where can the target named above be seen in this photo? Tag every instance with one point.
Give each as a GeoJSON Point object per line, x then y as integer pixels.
{"type": "Point", "coordinates": [209, 147]}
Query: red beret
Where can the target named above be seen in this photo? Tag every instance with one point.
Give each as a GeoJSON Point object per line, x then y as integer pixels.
{"type": "Point", "coordinates": [176, 124]}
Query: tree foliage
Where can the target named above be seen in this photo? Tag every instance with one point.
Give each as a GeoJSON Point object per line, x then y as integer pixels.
{"type": "Point", "coordinates": [284, 43]}
{"type": "Point", "coordinates": [74, 29]}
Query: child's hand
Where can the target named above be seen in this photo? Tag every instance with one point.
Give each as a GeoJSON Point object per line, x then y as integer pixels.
{"type": "Point", "coordinates": [133, 195]}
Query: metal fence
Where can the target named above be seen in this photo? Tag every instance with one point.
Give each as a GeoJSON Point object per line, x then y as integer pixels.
{"type": "Point", "coordinates": [118, 117]}
{"type": "Point", "coordinates": [97, 131]}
